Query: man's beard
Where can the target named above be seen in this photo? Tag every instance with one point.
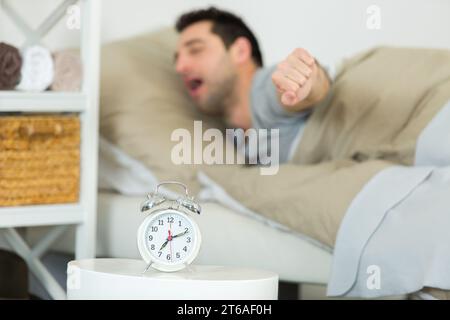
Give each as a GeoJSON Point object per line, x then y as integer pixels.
{"type": "Point", "coordinates": [222, 95]}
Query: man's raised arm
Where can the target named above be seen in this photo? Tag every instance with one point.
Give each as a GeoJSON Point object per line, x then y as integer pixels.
{"type": "Point", "coordinates": [301, 82]}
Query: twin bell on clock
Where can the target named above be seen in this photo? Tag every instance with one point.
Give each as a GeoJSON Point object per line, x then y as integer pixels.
{"type": "Point", "coordinates": [169, 238]}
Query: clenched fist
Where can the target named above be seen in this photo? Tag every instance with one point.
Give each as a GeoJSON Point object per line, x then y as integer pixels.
{"type": "Point", "coordinates": [295, 77]}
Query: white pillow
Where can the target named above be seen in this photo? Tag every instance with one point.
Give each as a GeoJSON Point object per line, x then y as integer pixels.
{"type": "Point", "coordinates": [121, 173]}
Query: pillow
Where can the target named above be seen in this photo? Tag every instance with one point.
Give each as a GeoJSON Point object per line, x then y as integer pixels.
{"type": "Point", "coordinates": [142, 100]}
{"type": "Point", "coordinates": [120, 173]}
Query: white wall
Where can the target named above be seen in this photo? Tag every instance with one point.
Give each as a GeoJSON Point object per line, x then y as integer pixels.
{"type": "Point", "coordinates": [330, 29]}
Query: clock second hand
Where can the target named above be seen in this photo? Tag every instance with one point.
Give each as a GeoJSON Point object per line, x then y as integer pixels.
{"type": "Point", "coordinates": [170, 237]}
{"type": "Point", "coordinates": [170, 240]}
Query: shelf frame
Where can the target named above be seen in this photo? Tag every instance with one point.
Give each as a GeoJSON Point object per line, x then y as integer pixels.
{"type": "Point", "coordinates": [30, 102]}
{"type": "Point", "coordinates": [82, 215]}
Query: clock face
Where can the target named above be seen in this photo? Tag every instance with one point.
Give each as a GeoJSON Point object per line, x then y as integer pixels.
{"type": "Point", "coordinates": [170, 238]}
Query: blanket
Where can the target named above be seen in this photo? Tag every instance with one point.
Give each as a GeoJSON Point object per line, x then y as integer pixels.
{"type": "Point", "coordinates": [380, 102]}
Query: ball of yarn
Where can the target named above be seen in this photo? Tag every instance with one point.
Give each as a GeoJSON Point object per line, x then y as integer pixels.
{"type": "Point", "coordinates": [10, 65]}
{"type": "Point", "coordinates": [37, 69]}
{"type": "Point", "coordinates": [68, 71]}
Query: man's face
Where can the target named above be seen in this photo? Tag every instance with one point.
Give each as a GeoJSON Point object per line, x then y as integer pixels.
{"type": "Point", "coordinates": [205, 67]}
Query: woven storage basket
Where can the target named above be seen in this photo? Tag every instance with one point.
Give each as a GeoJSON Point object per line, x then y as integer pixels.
{"type": "Point", "coordinates": [39, 159]}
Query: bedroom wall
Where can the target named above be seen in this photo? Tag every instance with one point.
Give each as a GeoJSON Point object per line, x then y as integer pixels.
{"type": "Point", "coordinates": [329, 29]}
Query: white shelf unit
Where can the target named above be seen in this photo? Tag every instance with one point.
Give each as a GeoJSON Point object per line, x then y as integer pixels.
{"type": "Point", "coordinates": [12, 101]}
{"type": "Point", "coordinates": [83, 215]}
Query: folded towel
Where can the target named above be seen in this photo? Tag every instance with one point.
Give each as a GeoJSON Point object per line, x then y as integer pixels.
{"type": "Point", "coordinates": [68, 71]}
{"type": "Point", "coordinates": [10, 64]}
{"type": "Point", "coordinates": [37, 69]}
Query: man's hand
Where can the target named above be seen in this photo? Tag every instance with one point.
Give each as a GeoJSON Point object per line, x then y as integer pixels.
{"type": "Point", "coordinates": [300, 81]}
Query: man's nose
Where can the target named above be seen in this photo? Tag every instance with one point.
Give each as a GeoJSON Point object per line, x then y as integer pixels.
{"type": "Point", "coordinates": [181, 65]}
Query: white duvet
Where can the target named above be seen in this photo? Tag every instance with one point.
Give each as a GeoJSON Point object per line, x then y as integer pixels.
{"type": "Point", "coordinates": [395, 236]}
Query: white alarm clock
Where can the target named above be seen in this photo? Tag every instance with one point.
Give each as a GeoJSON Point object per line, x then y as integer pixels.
{"type": "Point", "coordinates": [169, 239]}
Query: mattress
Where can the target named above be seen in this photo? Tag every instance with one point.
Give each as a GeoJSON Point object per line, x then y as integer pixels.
{"type": "Point", "coordinates": [228, 238]}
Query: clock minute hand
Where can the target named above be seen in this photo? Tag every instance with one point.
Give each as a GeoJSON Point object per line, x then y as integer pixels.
{"type": "Point", "coordinates": [180, 234]}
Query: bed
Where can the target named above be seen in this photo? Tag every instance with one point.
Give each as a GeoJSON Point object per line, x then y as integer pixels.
{"type": "Point", "coordinates": [287, 223]}
{"type": "Point", "coordinates": [238, 241]}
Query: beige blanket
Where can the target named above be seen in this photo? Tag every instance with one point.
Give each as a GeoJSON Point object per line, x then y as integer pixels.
{"type": "Point", "coordinates": [380, 102]}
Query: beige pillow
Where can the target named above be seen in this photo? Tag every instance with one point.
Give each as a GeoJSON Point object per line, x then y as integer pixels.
{"type": "Point", "coordinates": [142, 100]}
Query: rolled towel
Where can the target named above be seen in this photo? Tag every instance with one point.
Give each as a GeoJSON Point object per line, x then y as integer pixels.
{"type": "Point", "coordinates": [37, 69]}
{"type": "Point", "coordinates": [10, 64]}
{"type": "Point", "coordinates": [68, 71]}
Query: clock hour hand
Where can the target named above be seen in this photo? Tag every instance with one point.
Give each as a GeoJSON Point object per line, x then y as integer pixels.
{"type": "Point", "coordinates": [180, 234]}
{"type": "Point", "coordinates": [164, 244]}
{"type": "Point", "coordinates": [169, 238]}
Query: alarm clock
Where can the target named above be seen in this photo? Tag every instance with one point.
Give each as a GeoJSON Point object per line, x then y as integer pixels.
{"type": "Point", "coordinates": [169, 239]}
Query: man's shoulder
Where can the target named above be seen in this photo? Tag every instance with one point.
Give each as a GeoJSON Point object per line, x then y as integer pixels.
{"type": "Point", "coordinates": [262, 76]}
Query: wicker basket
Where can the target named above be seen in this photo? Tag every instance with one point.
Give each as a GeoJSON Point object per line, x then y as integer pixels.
{"type": "Point", "coordinates": [39, 159]}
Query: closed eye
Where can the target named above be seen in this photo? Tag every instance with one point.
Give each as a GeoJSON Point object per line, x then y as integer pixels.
{"type": "Point", "coordinates": [195, 50]}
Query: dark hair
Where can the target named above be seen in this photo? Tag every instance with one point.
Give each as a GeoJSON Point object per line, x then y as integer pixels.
{"type": "Point", "coordinates": [225, 24]}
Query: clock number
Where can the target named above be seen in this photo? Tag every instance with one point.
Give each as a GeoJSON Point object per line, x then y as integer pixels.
{"type": "Point", "coordinates": [188, 240]}
{"type": "Point", "coordinates": [154, 229]}
{"type": "Point", "coordinates": [170, 220]}
{"type": "Point", "coordinates": [178, 255]}
{"type": "Point", "coordinates": [179, 223]}
{"type": "Point", "coordinates": [168, 257]}
{"type": "Point", "coordinates": [186, 229]}
{"type": "Point", "coordinates": [152, 247]}
{"type": "Point", "coordinates": [159, 253]}
{"type": "Point", "coordinates": [185, 248]}
{"type": "Point", "coordinates": [160, 222]}
{"type": "Point", "coordinates": [150, 238]}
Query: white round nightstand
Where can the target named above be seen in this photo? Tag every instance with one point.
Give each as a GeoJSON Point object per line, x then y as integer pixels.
{"type": "Point", "coordinates": [124, 279]}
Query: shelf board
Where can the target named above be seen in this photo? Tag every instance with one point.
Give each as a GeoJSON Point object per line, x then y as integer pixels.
{"type": "Point", "coordinates": [40, 215]}
{"type": "Point", "coordinates": [48, 101]}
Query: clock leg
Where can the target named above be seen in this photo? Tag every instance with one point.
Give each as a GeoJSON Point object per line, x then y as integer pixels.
{"type": "Point", "coordinates": [148, 267]}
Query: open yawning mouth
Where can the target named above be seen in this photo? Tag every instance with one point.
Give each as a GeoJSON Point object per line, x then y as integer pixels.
{"type": "Point", "coordinates": [193, 85]}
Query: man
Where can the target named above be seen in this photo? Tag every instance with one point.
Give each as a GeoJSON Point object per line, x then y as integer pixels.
{"type": "Point", "coordinates": [221, 64]}
{"type": "Point", "coordinates": [219, 59]}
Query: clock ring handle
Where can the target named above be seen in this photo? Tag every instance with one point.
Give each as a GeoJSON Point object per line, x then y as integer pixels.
{"type": "Point", "coordinates": [172, 182]}
{"type": "Point", "coordinates": [186, 201]}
